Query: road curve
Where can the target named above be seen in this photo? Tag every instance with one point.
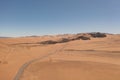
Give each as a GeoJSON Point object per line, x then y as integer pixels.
{"type": "Point", "coordinates": [24, 66]}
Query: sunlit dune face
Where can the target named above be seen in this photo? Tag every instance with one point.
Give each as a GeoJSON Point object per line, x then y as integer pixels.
{"type": "Point", "coordinates": [70, 70]}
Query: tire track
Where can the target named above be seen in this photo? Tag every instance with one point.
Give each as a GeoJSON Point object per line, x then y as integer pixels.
{"type": "Point", "coordinates": [24, 66]}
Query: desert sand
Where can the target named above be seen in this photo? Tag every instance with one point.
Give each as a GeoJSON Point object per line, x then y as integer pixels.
{"type": "Point", "coordinates": [24, 58]}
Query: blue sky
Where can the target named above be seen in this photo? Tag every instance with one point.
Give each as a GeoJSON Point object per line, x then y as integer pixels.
{"type": "Point", "coordinates": [43, 17]}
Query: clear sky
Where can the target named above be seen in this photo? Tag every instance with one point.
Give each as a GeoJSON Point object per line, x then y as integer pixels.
{"type": "Point", "coordinates": [42, 17]}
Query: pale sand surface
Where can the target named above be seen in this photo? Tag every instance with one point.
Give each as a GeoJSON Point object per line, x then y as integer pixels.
{"type": "Point", "coordinates": [95, 59]}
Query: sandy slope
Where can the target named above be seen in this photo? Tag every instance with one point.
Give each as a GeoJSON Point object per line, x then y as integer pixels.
{"type": "Point", "coordinates": [96, 59]}
{"type": "Point", "coordinates": [72, 70]}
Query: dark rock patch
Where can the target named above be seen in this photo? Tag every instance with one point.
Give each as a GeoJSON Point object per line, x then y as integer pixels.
{"type": "Point", "coordinates": [49, 42]}
{"type": "Point", "coordinates": [82, 38]}
{"type": "Point", "coordinates": [98, 35]}
{"type": "Point", "coordinates": [63, 40]}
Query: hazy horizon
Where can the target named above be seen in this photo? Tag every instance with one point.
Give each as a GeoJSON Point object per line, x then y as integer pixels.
{"type": "Point", "coordinates": [50, 17]}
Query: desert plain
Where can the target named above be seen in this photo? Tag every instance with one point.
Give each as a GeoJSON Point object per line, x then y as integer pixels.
{"type": "Point", "coordinates": [25, 58]}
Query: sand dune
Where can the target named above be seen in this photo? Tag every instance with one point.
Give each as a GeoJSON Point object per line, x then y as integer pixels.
{"type": "Point", "coordinates": [71, 70]}
{"type": "Point", "coordinates": [94, 59]}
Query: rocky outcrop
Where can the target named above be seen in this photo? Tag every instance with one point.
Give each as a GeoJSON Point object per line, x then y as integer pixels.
{"type": "Point", "coordinates": [98, 35]}
{"type": "Point", "coordinates": [48, 42]}
{"type": "Point", "coordinates": [80, 36]}
{"type": "Point", "coordinates": [63, 40]}
{"type": "Point", "coordinates": [83, 38]}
